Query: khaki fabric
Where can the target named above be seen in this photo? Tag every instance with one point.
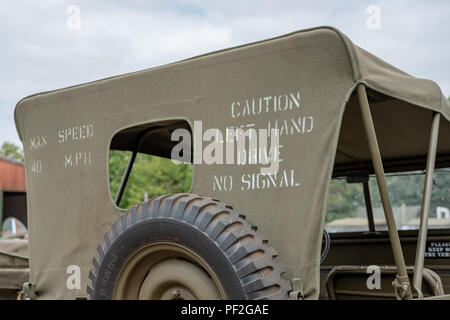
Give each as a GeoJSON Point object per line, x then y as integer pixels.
{"type": "Point", "coordinates": [13, 266]}
{"type": "Point", "coordinates": [13, 279]}
{"type": "Point", "coordinates": [311, 74]}
{"type": "Point", "coordinates": [17, 248]}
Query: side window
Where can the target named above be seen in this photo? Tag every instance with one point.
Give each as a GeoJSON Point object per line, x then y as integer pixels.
{"type": "Point", "coordinates": [405, 191]}
{"type": "Point", "coordinates": [153, 173]}
{"type": "Point", "coordinates": [346, 211]}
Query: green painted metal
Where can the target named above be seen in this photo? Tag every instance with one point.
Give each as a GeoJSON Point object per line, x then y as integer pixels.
{"type": "Point", "coordinates": [421, 241]}
{"type": "Point", "coordinates": [402, 277]}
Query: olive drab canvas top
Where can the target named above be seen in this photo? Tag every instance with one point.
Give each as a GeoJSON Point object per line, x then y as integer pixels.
{"type": "Point", "coordinates": [300, 83]}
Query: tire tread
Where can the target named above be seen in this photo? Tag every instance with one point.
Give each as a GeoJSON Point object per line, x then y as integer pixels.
{"type": "Point", "coordinates": [261, 276]}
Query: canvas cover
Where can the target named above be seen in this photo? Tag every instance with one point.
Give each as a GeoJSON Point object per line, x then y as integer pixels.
{"type": "Point", "coordinates": [300, 82]}
{"type": "Point", "coordinates": [13, 266]}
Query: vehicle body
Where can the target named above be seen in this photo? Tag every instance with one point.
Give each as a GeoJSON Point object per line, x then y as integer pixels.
{"type": "Point", "coordinates": [13, 218]}
{"type": "Point", "coordinates": [315, 85]}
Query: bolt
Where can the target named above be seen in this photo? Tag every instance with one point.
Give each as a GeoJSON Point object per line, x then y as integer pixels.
{"type": "Point", "coordinates": [176, 294]}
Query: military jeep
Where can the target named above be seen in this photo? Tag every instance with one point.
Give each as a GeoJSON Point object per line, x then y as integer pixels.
{"type": "Point", "coordinates": [342, 117]}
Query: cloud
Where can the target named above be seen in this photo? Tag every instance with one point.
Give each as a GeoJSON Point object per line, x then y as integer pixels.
{"type": "Point", "coordinates": [39, 52]}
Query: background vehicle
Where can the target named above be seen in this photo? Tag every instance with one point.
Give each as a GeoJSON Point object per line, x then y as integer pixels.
{"type": "Point", "coordinates": [13, 245]}
{"type": "Point", "coordinates": [339, 109]}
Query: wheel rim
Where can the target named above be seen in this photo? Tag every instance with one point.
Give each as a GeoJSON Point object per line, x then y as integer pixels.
{"type": "Point", "coordinates": [167, 271]}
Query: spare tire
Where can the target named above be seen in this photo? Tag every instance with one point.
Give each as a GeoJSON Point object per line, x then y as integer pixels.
{"type": "Point", "coordinates": [184, 246]}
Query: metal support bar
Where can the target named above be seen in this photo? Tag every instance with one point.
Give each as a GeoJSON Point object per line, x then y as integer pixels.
{"type": "Point", "coordinates": [127, 172]}
{"type": "Point", "coordinates": [422, 239]}
{"type": "Point", "coordinates": [401, 284]}
{"type": "Point", "coordinates": [368, 203]}
{"type": "Point", "coordinates": [125, 177]}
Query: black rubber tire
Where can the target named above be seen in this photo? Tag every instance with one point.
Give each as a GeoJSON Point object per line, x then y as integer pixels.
{"type": "Point", "coordinates": [230, 245]}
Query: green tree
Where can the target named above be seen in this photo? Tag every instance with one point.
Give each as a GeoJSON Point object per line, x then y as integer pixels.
{"type": "Point", "coordinates": [404, 188]}
{"type": "Point", "coordinates": [11, 151]}
{"type": "Point", "coordinates": [343, 199]}
{"type": "Point", "coordinates": [150, 175]}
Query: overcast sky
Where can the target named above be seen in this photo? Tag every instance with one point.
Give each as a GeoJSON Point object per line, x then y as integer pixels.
{"type": "Point", "coordinates": [43, 47]}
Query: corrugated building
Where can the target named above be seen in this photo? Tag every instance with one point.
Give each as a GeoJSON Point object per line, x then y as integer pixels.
{"type": "Point", "coordinates": [12, 190]}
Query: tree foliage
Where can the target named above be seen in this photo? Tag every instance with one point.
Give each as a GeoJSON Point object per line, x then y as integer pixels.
{"type": "Point", "coordinates": [344, 199]}
{"type": "Point", "coordinates": [150, 175]}
{"type": "Point", "coordinates": [11, 151]}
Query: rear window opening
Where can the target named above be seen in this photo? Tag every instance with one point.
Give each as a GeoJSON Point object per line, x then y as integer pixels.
{"type": "Point", "coordinates": [152, 173]}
